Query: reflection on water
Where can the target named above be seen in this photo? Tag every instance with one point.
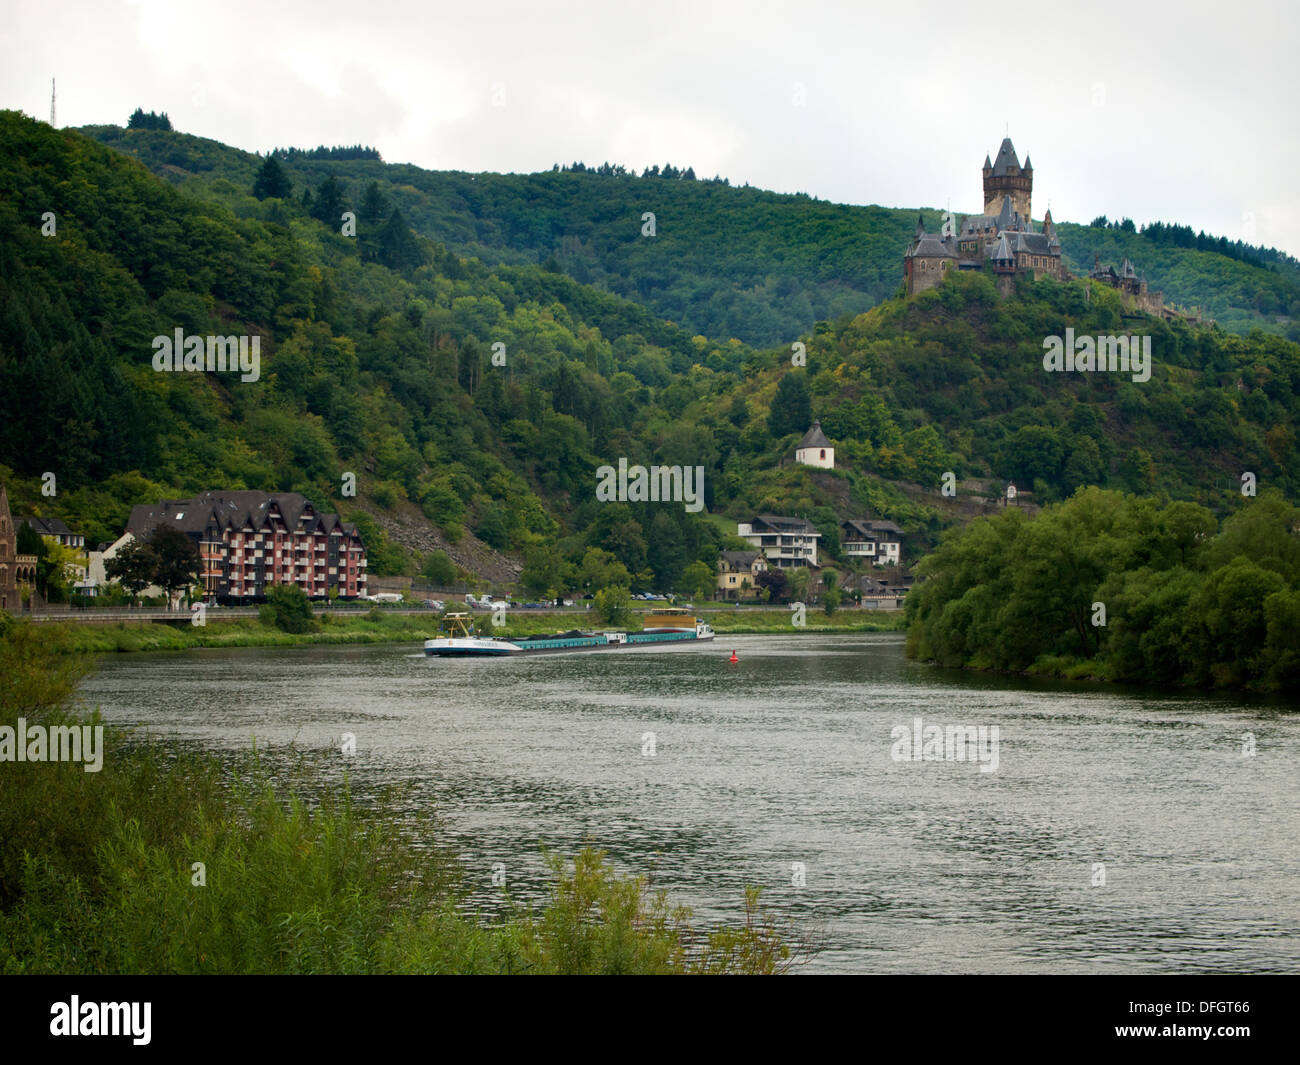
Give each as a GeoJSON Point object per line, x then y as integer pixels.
{"type": "Point", "coordinates": [724, 775]}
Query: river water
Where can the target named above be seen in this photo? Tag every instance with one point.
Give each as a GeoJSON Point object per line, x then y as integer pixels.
{"type": "Point", "coordinates": [1121, 830]}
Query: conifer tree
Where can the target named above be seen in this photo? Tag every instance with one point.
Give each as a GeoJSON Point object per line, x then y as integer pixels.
{"type": "Point", "coordinates": [272, 182]}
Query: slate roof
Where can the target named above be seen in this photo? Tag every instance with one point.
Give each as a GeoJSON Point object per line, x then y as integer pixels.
{"type": "Point", "coordinates": [778, 523]}
{"type": "Point", "coordinates": [47, 526]}
{"type": "Point", "coordinates": [976, 224]}
{"type": "Point", "coordinates": [872, 530]}
{"type": "Point", "coordinates": [232, 510]}
{"type": "Point", "coordinates": [739, 559]}
{"type": "Point", "coordinates": [814, 437]}
{"type": "Point", "coordinates": [929, 247]}
{"type": "Point", "coordinates": [1007, 158]}
{"type": "Point", "coordinates": [1034, 243]}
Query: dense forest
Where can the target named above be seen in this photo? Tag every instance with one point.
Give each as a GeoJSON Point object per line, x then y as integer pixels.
{"type": "Point", "coordinates": [481, 394]}
{"type": "Point", "coordinates": [725, 261]}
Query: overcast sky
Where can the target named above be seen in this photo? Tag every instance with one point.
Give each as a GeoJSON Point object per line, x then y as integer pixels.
{"type": "Point", "coordinates": [1176, 111]}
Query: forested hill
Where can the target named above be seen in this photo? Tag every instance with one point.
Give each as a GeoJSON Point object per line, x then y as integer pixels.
{"type": "Point", "coordinates": [725, 261]}
{"type": "Point", "coordinates": [377, 358]}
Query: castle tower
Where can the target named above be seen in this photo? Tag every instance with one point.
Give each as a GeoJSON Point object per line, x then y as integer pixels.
{"type": "Point", "coordinates": [1006, 177]}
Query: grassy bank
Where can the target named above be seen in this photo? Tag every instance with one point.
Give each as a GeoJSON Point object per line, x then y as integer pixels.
{"type": "Point", "coordinates": [763, 621]}
{"type": "Point", "coordinates": [76, 638]}
{"type": "Point", "coordinates": [381, 627]}
{"type": "Point", "coordinates": [163, 862]}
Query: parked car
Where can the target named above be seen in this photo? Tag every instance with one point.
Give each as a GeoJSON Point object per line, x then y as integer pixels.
{"type": "Point", "coordinates": [435, 604]}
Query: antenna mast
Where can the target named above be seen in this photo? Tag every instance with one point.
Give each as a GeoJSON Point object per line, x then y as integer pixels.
{"type": "Point", "coordinates": [51, 101]}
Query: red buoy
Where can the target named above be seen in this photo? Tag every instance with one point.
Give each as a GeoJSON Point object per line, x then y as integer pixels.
{"type": "Point", "coordinates": [733, 659]}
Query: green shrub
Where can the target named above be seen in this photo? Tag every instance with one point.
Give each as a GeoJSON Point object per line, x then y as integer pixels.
{"type": "Point", "coordinates": [288, 609]}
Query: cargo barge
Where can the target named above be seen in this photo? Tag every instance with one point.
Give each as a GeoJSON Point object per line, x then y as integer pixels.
{"type": "Point", "coordinates": [459, 640]}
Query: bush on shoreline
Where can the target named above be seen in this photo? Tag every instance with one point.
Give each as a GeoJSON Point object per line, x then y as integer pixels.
{"type": "Point", "coordinates": [1120, 588]}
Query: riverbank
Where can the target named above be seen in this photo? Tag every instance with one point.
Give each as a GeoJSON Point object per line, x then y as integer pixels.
{"type": "Point", "coordinates": [381, 627]}
{"type": "Point", "coordinates": [161, 860]}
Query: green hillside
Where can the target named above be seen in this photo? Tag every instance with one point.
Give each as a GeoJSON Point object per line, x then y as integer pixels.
{"type": "Point", "coordinates": [725, 261]}
{"type": "Point", "coordinates": [377, 358]}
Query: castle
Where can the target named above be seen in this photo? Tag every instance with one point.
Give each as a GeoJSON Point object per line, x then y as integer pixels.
{"type": "Point", "coordinates": [1002, 240]}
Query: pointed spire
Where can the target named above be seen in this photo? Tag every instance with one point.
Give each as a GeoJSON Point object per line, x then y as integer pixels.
{"type": "Point", "coordinates": [1006, 158]}
{"type": "Point", "coordinates": [988, 163]}
{"type": "Point", "coordinates": [1028, 165]}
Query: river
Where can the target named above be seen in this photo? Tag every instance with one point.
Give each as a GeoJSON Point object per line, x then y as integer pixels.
{"type": "Point", "coordinates": [1120, 830]}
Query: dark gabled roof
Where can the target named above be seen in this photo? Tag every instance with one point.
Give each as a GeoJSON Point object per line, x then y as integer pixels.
{"type": "Point", "coordinates": [814, 437]}
{"type": "Point", "coordinates": [1126, 270]}
{"type": "Point", "coordinates": [239, 509]}
{"type": "Point", "coordinates": [1003, 250]}
{"type": "Point", "coordinates": [185, 515]}
{"type": "Point", "coordinates": [1006, 158]}
{"type": "Point", "coordinates": [870, 529]}
{"type": "Point", "coordinates": [857, 530]}
{"type": "Point", "coordinates": [932, 247]}
{"type": "Point", "coordinates": [742, 559]}
{"type": "Point", "coordinates": [1034, 243]}
{"type": "Point", "coordinates": [779, 523]}
{"type": "Point", "coordinates": [975, 224]}
{"type": "Point", "coordinates": [46, 526]}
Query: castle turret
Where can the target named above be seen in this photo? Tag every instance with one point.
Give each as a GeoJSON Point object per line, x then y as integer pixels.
{"type": "Point", "coordinates": [1049, 229]}
{"type": "Point", "coordinates": [1006, 177]}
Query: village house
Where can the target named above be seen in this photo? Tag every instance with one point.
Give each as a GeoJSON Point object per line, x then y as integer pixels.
{"type": "Point", "coordinates": [738, 573]}
{"type": "Point", "coordinates": [879, 595]}
{"type": "Point", "coordinates": [877, 542]}
{"type": "Point", "coordinates": [78, 572]}
{"type": "Point", "coordinates": [785, 542]}
{"type": "Point", "coordinates": [54, 529]}
{"type": "Point", "coordinates": [249, 541]}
